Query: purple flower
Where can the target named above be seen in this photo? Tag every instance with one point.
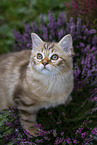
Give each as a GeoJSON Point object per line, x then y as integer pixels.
{"type": "Point", "coordinates": [49, 113]}
{"type": "Point", "coordinates": [59, 122]}
{"type": "Point", "coordinates": [54, 133]}
{"type": "Point", "coordinates": [62, 133]}
{"type": "Point", "coordinates": [94, 131]}
{"type": "Point", "coordinates": [92, 31]}
{"type": "Point", "coordinates": [68, 140]}
{"type": "Point", "coordinates": [39, 140]}
{"type": "Point", "coordinates": [83, 135]}
{"type": "Point", "coordinates": [82, 44]}
{"type": "Point", "coordinates": [63, 114]}
{"type": "Point", "coordinates": [58, 140]}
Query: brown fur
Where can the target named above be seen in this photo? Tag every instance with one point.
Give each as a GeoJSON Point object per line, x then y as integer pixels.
{"type": "Point", "coordinates": [24, 87]}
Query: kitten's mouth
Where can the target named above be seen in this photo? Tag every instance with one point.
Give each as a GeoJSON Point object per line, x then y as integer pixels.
{"type": "Point", "coordinates": [45, 68]}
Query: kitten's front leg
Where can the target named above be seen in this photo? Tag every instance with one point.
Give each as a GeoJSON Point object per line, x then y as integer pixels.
{"type": "Point", "coordinates": [28, 111]}
{"type": "Point", "coordinates": [28, 121]}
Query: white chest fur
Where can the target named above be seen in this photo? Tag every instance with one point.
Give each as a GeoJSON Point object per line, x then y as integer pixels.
{"type": "Point", "coordinates": [51, 90]}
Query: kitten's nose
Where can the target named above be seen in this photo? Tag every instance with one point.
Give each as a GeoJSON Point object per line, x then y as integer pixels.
{"type": "Point", "coordinates": [44, 63]}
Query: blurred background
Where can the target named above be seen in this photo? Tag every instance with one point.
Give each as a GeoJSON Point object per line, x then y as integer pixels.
{"type": "Point", "coordinates": [14, 12]}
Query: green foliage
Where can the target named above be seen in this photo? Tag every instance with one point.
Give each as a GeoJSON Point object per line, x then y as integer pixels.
{"type": "Point", "coordinates": [14, 12]}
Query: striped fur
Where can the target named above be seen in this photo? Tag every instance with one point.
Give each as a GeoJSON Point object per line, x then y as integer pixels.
{"type": "Point", "coordinates": [28, 85]}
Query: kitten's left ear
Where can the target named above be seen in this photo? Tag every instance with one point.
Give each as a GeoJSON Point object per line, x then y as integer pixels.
{"type": "Point", "coordinates": [36, 40]}
{"type": "Point", "coordinates": [66, 44]}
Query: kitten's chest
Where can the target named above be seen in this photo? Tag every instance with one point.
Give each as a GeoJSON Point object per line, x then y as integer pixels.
{"type": "Point", "coordinates": [49, 86]}
{"type": "Point", "coordinates": [50, 91]}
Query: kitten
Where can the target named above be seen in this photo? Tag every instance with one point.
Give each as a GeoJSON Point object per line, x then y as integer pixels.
{"type": "Point", "coordinates": [30, 80]}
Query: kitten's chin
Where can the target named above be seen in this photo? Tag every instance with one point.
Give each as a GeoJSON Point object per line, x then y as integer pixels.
{"type": "Point", "coordinates": [45, 72]}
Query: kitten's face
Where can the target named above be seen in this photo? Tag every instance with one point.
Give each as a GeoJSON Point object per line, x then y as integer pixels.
{"type": "Point", "coordinates": [50, 58]}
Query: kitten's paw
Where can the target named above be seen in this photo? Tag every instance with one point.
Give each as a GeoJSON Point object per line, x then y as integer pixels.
{"type": "Point", "coordinates": [33, 131]}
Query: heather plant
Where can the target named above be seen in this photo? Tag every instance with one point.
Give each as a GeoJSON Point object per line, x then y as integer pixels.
{"type": "Point", "coordinates": [84, 9]}
{"type": "Point", "coordinates": [63, 125]}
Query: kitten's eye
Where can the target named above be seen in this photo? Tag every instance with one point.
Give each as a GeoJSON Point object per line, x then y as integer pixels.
{"type": "Point", "coordinates": [39, 56]}
{"type": "Point", "coordinates": [54, 57]}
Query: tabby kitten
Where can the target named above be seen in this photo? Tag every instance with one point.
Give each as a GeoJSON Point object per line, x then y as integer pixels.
{"type": "Point", "coordinates": [30, 80]}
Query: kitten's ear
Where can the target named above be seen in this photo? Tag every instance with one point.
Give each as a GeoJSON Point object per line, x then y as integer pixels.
{"type": "Point", "coordinates": [36, 40]}
{"type": "Point", "coordinates": [66, 44]}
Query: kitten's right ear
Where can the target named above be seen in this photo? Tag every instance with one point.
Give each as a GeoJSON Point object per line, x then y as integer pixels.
{"type": "Point", "coordinates": [66, 44]}
{"type": "Point", "coordinates": [36, 40]}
